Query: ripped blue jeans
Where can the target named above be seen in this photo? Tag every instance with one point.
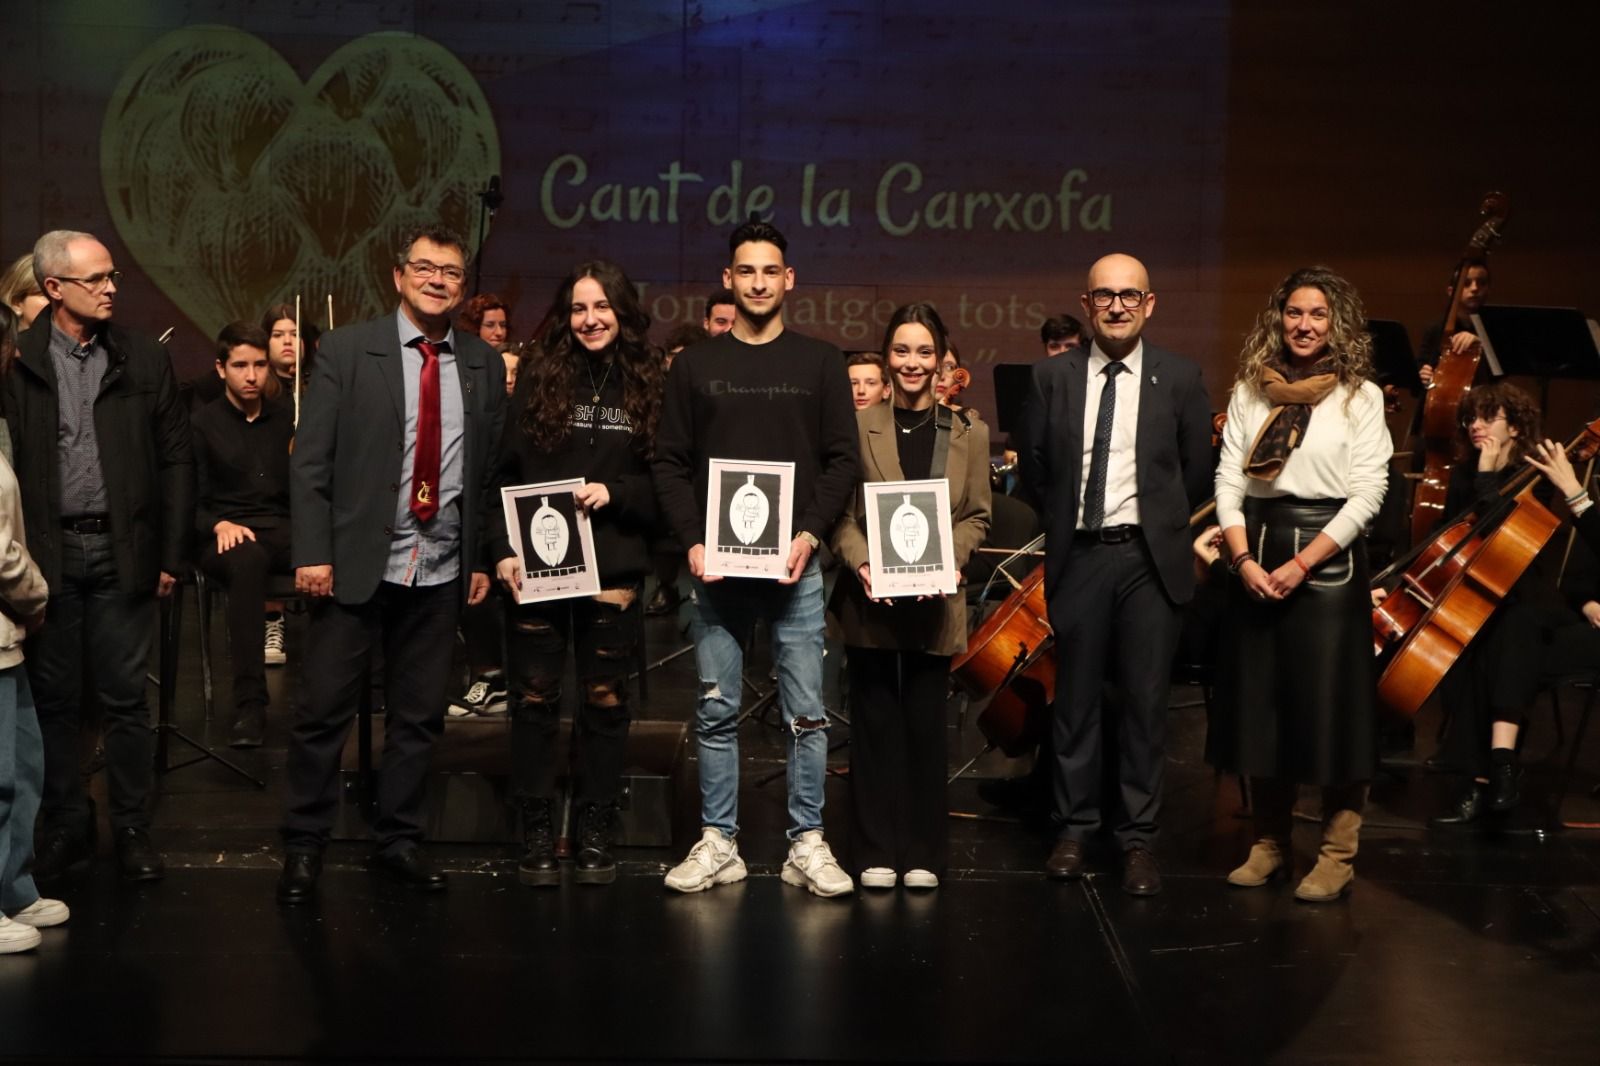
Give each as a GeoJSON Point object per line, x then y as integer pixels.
{"type": "Point", "coordinates": [723, 616]}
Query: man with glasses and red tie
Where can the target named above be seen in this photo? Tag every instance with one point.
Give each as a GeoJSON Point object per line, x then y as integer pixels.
{"type": "Point", "coordinates": [1118, 451]}
{"type": "Point", "coordinates": [387, 482]}
{"type": "Point", "coordinates": [104, 460]}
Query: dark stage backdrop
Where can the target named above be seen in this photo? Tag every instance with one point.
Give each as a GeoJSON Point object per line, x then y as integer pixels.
{"type": "Point", "coordinates": [235, 153]}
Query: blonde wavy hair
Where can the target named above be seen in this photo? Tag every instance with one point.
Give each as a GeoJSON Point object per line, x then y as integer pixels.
{"type": "Point", "coordinates": [1349, 344]}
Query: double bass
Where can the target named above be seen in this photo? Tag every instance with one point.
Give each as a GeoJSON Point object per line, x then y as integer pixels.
{"type": "Point", "coordinates": [1452, 379]}
{"type": "Point", "coordinates": [1452, 585]}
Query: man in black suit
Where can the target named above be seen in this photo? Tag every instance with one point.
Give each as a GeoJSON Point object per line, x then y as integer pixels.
{"type": "Point", "coordinates": [391, 464]}
{"type": "Point", "coordinates": [107, 475]}
{"type": "Point", "coordinates": [1118, 452]}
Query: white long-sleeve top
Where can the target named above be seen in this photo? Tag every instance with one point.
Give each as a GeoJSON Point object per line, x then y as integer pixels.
{"type": "Point", "coordinates": [1344, 456]}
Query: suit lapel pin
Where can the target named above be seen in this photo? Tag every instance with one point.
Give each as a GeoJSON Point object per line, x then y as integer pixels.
{"type": "Point", "coordinates": [1154, 380]}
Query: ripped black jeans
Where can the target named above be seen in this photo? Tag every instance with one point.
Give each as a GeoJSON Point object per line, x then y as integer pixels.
{"type": "Point", "coordinates": [604, 636]}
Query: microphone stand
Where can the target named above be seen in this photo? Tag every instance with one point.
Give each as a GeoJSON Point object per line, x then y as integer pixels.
{"type": "Point", "coordinates": [489, 201]}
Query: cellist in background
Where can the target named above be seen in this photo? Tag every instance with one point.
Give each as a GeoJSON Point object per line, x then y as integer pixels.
{"type": "Point", "coordinates": [1494, 682]}
{"type": "Point", "coordinates": [1305, 453]}
{"type": "Point", "coordinates": [1474, 294]}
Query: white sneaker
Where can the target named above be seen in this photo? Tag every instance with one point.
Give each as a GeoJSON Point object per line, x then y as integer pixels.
{"type": "Point", "coordinates": [811, 866]}
{"type": "Point", "coordinates": [713, 861]}
{"type": "Point", "coordinates": [921, 879]}
{"type": "Point", "coordinates": [14, 936]}
{"type": "Point", "coordinates": [42, 913]}
{"type": "Point", "coordinates": [485, 696]}
{"type": "Point", "coordinates": [272, 648]}
{"type": "Point", "coordinates": [878, 877]}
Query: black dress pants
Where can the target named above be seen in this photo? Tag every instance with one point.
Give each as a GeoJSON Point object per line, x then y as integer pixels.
{"type": "Point", "coordinates": [416, 628]}
{"type": "Point", "coordinates": [243, 570]}
{"type": "Point", "coordinates": [900, 815]}
{"type": "Point", "coordinates": [1112, 621]}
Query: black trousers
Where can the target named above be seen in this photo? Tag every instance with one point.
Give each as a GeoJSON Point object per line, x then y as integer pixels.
{"type": "Point", "coordinates": [604, 637]}
{"type": "Point", "coordinates": [897, 759]}
{"type": "Point", "coordinates": [416, 628]}
{"type": "Point", "coordinates": [1112, 621]}
{"type": "Point", "coordinates": [96, 643]}
{"type": "Point", "coordinates": [243, 570]}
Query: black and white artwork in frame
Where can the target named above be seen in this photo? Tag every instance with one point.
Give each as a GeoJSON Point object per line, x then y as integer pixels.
{"type": "Point", "coordinates": [551, 536]}
{"type": "Point", "coordinates": [748, 518]}
{"type": "Point", "coordinates": [909, 546]}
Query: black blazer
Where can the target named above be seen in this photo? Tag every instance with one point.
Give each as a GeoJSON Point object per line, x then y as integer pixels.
{"type": "Point", "coordinates": [1172, 458]}
{"type": "Point", "coordinates": [146, 455]}
{"type": "Point", "coordinates": [344, 477]}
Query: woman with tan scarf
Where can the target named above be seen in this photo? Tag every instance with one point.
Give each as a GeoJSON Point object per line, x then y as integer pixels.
{"type": "Point", "coordinates": [1303, 471]}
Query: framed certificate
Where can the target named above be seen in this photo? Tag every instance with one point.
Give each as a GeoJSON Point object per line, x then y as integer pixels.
{"type": "Point", "coordinates": [551, 536]}
{"type": "Point", "coordinates": [909, 547]}
{"type": "Point", "coordinates": [748, 518]}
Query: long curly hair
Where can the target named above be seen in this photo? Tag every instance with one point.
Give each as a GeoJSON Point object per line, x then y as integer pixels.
{"type": "Point", "coordinates": [1488, 401]}
{"type": "Point", "coordinates": [559, 363]}
{"type": "Point", "coordinates": [1349, 345]}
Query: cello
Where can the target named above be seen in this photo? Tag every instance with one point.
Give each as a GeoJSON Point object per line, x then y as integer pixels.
{"type": "Point", "coordinates": [1453, 583]}
{"type": "Point", "coordinates": [1452, 378]}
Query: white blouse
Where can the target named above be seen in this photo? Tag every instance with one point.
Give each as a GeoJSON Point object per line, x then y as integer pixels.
{"type": "Point", "coordinates": [1344, 456]}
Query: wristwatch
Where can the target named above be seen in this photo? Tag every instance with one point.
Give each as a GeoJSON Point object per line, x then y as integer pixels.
{"type": "Point", "coordinates": [810, 538]}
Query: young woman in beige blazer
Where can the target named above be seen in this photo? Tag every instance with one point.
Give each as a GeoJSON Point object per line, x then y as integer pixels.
{"type": "Point", "coordinates": [898, 651]}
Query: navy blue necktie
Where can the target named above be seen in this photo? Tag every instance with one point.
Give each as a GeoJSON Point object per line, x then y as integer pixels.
{"type": "Point", "coordinates": [1094, 496]}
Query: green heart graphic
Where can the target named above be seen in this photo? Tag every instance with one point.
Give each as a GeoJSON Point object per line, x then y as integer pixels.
{"type": "Point", "coordinates": [235, 185]}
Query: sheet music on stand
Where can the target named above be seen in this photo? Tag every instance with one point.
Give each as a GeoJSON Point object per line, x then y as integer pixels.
{"type": "Point", "coordinates": [1549, 343]}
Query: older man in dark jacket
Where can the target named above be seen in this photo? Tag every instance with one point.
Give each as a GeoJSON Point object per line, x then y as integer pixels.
{"type": "Point", "coordinates": [103, 456]}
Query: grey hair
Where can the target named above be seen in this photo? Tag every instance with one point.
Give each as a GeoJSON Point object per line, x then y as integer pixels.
{"type": "Point", "coordinates": [50, 255]}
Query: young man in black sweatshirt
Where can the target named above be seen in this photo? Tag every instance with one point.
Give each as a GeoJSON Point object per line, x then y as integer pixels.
{"type": "Point", "coordinates": [759, 393]}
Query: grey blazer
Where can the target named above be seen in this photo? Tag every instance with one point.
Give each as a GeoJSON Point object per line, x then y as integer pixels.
{"type": "Point", "coordinates": [344, 476]}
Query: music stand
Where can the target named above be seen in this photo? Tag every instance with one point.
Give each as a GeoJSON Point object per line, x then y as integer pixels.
{"type": "Point", "coordinates": [1011, 384]}
{"type": "Point", "coordinates": [1392, 358]}
{"type": "Point", "coordinates": [1549, 343]}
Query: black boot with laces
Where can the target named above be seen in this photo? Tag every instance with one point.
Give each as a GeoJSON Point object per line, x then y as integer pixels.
{"type": "Point", "coordinates": [538, 866]}
{"type": "Point", "coordinates": [595, 865]}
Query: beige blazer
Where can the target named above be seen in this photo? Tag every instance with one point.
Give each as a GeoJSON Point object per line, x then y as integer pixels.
{"type": "Point", "coordinates": [936, 626]}
{"type": "Point", "coordinates": [22, 586]}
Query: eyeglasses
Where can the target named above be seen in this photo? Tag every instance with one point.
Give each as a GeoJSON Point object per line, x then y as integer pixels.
{"type": "Point", "coordinates": [425, 270]}
{"type": "Point", "coordinates": [1130, 298]}
{"type": "Point", "coordinates": [1468, 423]}
{"type": "Point", "coordinates": [94, 282]}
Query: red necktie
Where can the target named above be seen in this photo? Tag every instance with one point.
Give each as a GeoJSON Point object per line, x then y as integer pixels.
{"type": "Point", "coordinates": [425, 462]}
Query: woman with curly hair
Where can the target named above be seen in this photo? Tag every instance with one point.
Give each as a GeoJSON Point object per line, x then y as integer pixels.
{"type": "Point", "coordinates": [586, 405]}
{"type": "Point", "coordinates": [1303, 470]}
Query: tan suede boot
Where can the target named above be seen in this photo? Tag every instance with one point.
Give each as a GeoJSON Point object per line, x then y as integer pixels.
{"type": "Point", "coordinates": [1271, 807]}
{"type": "Point", "coordinates": [1341, 831]}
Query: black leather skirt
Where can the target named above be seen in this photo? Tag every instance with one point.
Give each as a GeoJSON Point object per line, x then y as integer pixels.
{"type": "Point", "coordinates": [1295, 695]}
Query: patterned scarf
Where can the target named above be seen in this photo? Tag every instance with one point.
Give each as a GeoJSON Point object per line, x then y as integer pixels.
{"type": "Point", "coordinates": [1292, 393]}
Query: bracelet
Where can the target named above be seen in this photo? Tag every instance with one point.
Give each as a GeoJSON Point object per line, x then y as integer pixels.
{"type": "Point", "coordinates": [1581, 494]}
{"type": "Point", "coordinates": [1304, 569]}
{"type": "Point", "coordinates": [1239, 561]}
{"type": "Point", "coordinates": [1581, 508]}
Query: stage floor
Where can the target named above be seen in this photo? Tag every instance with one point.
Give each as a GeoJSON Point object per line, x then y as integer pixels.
{"type": "Point", "coordinates": [1458, 947]}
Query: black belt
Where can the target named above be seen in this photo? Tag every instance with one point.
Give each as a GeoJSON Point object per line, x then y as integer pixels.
{"type": "Point", "coordinates": [1109, 534]}
{"type": "Point", "coordinates": [87, 523]}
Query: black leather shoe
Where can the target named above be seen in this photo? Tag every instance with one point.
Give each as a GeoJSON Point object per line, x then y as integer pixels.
{"type": "Point", "coordinates": [1504, 791]}
{"type": "Point", "coordinates": [139, 859]}
{"type": "Point", "coordinates": [665, 601]}
{"type": "Point", "coordinates": [1140, 874]}
{"type": "Point", "coordinates": [1066, 861]}
{"type": "Point", "coordinates": [539, 867]}
{"type": "Point", "coordinates": [1469, 806]}
{"type": "Point", "coordinates": [594, 864]}
{"type": "Point", "coordinates": [410, 867]}
{"type": "Point", "coordinates": [298, 882]}
{"type": "Point", "coordinates": [59, 851]}
{"type": "Point", "coordinates": [249, 728]}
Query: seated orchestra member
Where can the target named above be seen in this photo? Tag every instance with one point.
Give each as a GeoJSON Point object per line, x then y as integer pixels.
{"type": "Point", "coordinates": [587, 406]}
{"type": "Point", "coordinates": [899, 650]}
{"type": "Point", "coordinates": [288, 345]}
{"type": "Point", "coordinates": [241, 453]}
{"type": "Point", "coordinates": [720, 312]}
{"type": "Point", "coordinates": [1060, 334]}
{"type": "Point", "coordinates": [1304, 469]}
{"type": "Point", "coordinates": [23, 912]}
{"type": "Point", "coordinates": [1536, 632]}
{"type": "Point", "coordinates": [949, 363]}
{"type": "Point", "coordinates": [869, 386]}
{"type": "Point", "coordinates": [1474, 294]}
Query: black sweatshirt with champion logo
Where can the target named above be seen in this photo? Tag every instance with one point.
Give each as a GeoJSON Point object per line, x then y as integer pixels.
{"type": "Point", "coordinates": [784, 401]}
